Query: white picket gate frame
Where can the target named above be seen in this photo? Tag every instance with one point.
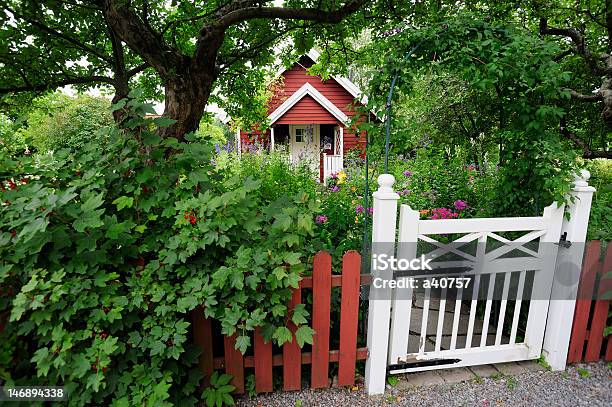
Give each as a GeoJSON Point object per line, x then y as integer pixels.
{"type": "Point", "coordinates": [548, 325]}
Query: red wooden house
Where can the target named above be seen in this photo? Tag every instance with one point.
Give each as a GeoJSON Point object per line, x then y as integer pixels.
{"type": "Point", "coordinates": [309, 117]}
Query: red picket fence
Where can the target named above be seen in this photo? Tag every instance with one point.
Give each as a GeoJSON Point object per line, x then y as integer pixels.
{"type": "Point", "coordinates": [292, 357]}
{"type": "Point", "coordinates": [591, 315]}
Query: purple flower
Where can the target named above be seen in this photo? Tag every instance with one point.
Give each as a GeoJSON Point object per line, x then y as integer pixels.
{"type": "Point", "coordinates": [460, 205]}
{"type": "Point", "coordinates": [321, 219]}
{"type": "Point", "coordinates": [370, 211]}
{"type": "Point", "coordinates": [336, 188]}
{"type": "Point", "coordinates": [405, 192]}
{"type": "Point", "coordinates": [333, 175]}
{"type": "Point", "coordinates": [407, 173]}
{"type": "Point", "coordinates": [359, 209]}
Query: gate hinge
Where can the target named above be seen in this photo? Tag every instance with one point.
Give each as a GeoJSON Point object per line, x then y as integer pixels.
{"type": "Point", "coordinates": [563, 242]}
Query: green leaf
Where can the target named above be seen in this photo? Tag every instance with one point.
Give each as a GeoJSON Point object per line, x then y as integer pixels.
{"type": "Point", "coordinates": [293, 258]}
{"type": "Point", "coordinates": [282, 335]}
{"type": "Point", "coordinates": [242, 343]}
{"type": "Point", "coordinates": [124, 202]}
{"type": "Point", "coordinates": [163, 121]}
{"type": "Point", "coordinates": [304, 335]}
{"type": "Point", "coordinates": [93, 202]}
{"type": "Point", "coordinates": [299, 315]}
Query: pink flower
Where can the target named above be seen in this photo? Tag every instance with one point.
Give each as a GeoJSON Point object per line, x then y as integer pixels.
{"type": "Point", "coordinates": [359, 209]}
{"type": "Point", "coordinates": [320, 219]}
{"type": "Point", "coordinates": [370, 211]}
{"type": "Point", "coordinates": [443, 213]}
{"type": "Point", "coordinates": [407, 173]}
{"type": "Point", "coordinates": [460, 205]}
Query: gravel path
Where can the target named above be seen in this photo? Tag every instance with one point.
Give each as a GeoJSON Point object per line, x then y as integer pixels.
{"type": "Point", "coordinates": [580, 385]}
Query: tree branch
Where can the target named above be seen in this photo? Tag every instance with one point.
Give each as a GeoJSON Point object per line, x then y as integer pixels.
{"type": "Point", "coordinates": [586, 150]}
{"type": "Point", "coordinates": [135, 33]}
{"type": "Point", "coordinates": [57, 34]}
{"type": "Point", "coordinates": [579, 43]}
{"type": "Point", "coordinates": [311, 14]}
{"type": "Point", "coordinates": [56, 84]}
{"type": "Point", "coordinates": [595, 97]}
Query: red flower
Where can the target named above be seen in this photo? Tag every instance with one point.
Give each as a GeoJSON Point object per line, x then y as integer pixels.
{"type": "Point", "coordinates": [14, 233]}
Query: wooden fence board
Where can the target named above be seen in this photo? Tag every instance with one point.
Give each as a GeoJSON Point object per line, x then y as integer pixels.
{"type": "Point", "coordinates": [600, 313]}
{"type": "Point", "coordinates": [583, 304]}
{"type": "Point", "coordinates": [292, 366]}
{"type": "Point", "coordinates": [321, 304]}
{"type": "Point", "coordinates": [293, 358]}
{"type": "Point", "coordinates": [234, 363]}
{"type": "Point", "coordinates": [263, 363]}
{"type": "Point", "coordinates": [349, 316]}
{"type": "Point", "coordinates": [202, 337]}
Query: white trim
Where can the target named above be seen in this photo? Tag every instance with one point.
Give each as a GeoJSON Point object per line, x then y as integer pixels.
{"type": "Point", "coordinates": [341, 146]}
{"type": "Point", "coordinates": [307, 89]}
{"type": "Point", "coordinates": [271, 138]}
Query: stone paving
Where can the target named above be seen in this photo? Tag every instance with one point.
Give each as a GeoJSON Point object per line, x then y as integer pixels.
{"type": "Point", "coordinates": [464, 374]}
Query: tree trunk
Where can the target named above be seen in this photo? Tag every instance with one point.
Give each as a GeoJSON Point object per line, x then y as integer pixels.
{"type": "Point", "coordinates": [186, 99]}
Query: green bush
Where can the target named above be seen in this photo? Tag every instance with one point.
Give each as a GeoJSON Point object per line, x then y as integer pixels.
{"type": "Point", "coordinates": [600, 222]}
{"type": "Point", "coordinates": [105, 251]}
{"type": "Point", "coordinates": [59, 121]}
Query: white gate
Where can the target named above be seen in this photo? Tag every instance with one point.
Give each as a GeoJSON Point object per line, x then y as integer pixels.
{"type": "Point", "coordinates": [503, 314]}
{"type": "Point", "coordinates": [473, 328]}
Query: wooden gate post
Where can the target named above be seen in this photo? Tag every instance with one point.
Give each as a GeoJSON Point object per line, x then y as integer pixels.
{"type": "Point", "coordinates": [379, 307]}
{"type": "Point", "coordinates": [563, 301]}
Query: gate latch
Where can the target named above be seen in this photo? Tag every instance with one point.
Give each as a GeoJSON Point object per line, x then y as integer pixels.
{"type": "Point", "coordinates": [563, 242]}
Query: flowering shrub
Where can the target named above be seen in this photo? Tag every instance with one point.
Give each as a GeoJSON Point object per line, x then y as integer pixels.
{"type": "Point", "coordinates": [106, 250]}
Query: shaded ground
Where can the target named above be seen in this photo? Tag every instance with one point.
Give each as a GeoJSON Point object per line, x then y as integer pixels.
{"type": "Point", "coordinates": [580, 385]}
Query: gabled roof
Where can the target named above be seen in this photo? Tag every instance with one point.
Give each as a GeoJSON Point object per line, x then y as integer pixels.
{"type": "Point", "coordinates": [307, 89]}
{"type": "Point", "coordinates": [346, 83]}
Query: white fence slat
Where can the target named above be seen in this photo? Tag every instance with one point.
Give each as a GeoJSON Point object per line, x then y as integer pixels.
{"type": "Point", "coordinates": [456, 317]}
{"type": "Point", "coordinates": [441, 311]}
{"type": "Point", "coordinates": [423, 336]}
{"type": "Point", "coordinates": [487, 315]}
{"type": "Point", "coordinates": [517, 306]}
{"type": "Point", "coordinates": [474, 302]}
{"type": "Point", "coordinates": [502, 309]}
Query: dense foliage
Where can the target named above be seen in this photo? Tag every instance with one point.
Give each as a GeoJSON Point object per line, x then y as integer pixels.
{"type": "Point", "coordinates": [58, 121]}
{"type": "Point", "coordinates": [105, 250]}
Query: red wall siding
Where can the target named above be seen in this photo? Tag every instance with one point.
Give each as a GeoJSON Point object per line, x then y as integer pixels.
{"type": "Point", "coordinates": [307, 111]}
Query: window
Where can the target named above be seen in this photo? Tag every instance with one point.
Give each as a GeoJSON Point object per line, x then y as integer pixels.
{"type": "Point", "coordinates": [299, 135]}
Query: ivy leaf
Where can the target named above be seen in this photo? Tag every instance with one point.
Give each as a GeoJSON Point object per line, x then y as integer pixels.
{"type": "Point", "coordinates": [304, 335]}
{"type": "Point", "coordinates": [242, 344]}
{"type": "Point", "coordinates": [93, 202]}
{"type": "Point", "coordinates": [299, 315]}
{"type": "Point", "coordinates": [124, 202]}
{"type": "Point", "coordinates": [163, 121]}
{"type": "Point", "coordinates": [88, 220]}
{"type": "Point", "coordinates": [282, 221]}
{"type": "Point", "coordinates": [185, 304]}
{"type": "Point", "coordinates": [282, 334]}
{"type": "Point", "coordinates": [293, 258]}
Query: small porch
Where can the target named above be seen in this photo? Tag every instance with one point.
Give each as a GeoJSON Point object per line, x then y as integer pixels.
{"type": "Point", "coordinates": [320, 145]}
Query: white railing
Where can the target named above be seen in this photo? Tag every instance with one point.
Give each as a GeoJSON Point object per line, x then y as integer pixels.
{"type": "Point", "coordinates": [331, 164]}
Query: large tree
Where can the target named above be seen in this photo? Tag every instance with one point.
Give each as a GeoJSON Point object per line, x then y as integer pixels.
{"type": "Point", "coordinates": [194, 48]}
{"type": "Point", "coordinates": [50, 45]}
